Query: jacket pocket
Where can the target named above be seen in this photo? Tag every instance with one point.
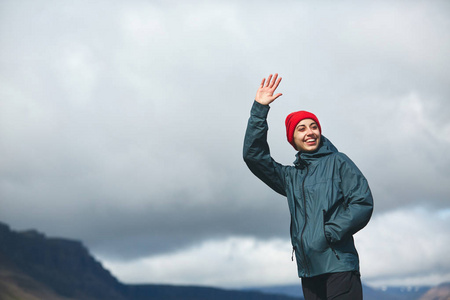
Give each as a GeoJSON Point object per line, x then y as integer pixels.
{"type": "Point", "coordinates": [326, 238]}
{"type": "Point", "coordinates": [314, 238]}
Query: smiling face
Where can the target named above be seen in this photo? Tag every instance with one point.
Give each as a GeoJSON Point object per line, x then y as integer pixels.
{"type": "Point", "coordinates": [307, 135]}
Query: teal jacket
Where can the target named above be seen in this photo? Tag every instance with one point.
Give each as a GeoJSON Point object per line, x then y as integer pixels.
{"type": "Point", "coordinates": [329, 199]}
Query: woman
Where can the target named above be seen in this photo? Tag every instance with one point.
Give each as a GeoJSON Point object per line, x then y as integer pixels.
{"type": "Point", "coordinates": [328, 197]}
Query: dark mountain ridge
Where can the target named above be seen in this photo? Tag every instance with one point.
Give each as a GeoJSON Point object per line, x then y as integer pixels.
{"type": "Point", "coordinates": [33, 266]}
{"type": "Point", "coordinates": [65, 266]}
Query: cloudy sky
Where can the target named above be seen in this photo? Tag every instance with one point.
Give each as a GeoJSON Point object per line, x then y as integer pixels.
{"type": "Point", "coordinates": [122, 123]}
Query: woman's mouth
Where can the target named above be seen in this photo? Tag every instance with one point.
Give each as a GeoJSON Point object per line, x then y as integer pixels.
{"type": "Point", "coordinates": [311, 142]}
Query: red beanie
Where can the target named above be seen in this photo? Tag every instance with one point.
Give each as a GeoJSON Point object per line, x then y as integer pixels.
{"type": "Point", "coordinates": [292, 121]}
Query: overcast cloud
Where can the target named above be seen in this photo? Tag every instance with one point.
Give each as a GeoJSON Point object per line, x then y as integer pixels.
{"type": "Point", "coordinates": [121, 125]}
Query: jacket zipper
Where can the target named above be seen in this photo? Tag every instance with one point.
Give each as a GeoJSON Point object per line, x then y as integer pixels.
{"type": "Point", "coordinates": [306, 219]}
{"type": "Point", "coordinates": [290, 231]}
{"type": "Point", "coordinates": [325, 235]}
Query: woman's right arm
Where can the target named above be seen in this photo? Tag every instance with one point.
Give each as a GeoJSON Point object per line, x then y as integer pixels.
{"type": "Point", "coordinates": [256, 149]}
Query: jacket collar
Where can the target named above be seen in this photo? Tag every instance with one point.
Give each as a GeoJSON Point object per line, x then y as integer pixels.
{"type": "Point", "coordinates": [305, 158]}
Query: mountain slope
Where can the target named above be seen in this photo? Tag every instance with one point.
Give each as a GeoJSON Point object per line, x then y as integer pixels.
{"type": "Point", "coordinates": [16, 285]}
{"type": "Point", "coordinates": [33, 266]}
{"type": "Point", "coordinates": [440, 292]}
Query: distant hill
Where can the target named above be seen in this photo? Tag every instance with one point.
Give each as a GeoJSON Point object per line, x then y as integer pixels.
{"type": "Point", "coordinates": [400, 293]}
{"type": "Point", "coordinates": [34, 267]}
{"type": "Point", "coordinates": [440, 292]}
{"type": "Point", "coordinates": [395, 293]}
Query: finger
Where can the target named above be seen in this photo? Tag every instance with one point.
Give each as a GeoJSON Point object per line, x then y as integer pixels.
{"type": "Point", "coordinates": [274, 80]}
{"type": "Point", "coordinates": [262, 82]}
{"type": "Point", "coordinates": [277, 83]}
{"type": "Point", "coordinates": [278, 95]}
{"type": "Point", "coordinates": [268, 80]}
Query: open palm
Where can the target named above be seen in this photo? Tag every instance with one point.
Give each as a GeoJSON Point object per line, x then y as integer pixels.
{"type": "Point", "coordinates": [265, 94]}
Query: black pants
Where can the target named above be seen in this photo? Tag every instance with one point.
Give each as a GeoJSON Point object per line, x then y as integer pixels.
{"type": "Point", "coordinates": [333, 286]}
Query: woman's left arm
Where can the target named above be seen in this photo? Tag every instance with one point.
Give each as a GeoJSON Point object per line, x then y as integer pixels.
{"type": "Point", "coordinates": [358, 203]}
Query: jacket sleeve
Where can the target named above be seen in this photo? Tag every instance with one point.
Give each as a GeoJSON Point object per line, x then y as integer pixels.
{"type": "Point", "coordinates": [357, 203]}
{"type": "Point", "coordinates": [256, 150]}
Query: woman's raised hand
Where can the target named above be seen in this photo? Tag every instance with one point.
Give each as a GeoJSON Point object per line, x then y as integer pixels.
{"type": "Point", "coordinates": [265, 94]}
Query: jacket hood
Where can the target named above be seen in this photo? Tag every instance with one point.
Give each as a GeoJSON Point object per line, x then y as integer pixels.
{"type": "Point", "coordinates": [306, 158]}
